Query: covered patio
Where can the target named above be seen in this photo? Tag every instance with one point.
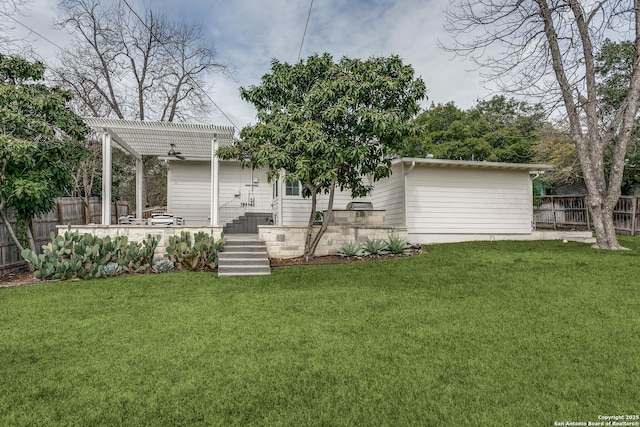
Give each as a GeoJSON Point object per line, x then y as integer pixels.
{"type": "Point", "coordinates": [162, 139]}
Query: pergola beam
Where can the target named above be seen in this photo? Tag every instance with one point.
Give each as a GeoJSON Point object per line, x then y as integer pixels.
{"type": "Point", "coordinates": [145, 138]}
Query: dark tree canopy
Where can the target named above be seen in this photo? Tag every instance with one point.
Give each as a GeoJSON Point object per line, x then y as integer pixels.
{"type": "Point", "coordinates": [497, 130]}
{"type": "Point", "coordinates": [39, 139]}
{"type": "Point", "coordinates": [329, 124]}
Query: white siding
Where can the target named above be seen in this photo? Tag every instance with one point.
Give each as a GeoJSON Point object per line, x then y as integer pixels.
{"type": "Point", "coordinates": [296, 209]}
{"type": "Point", "coordinates": [189, 188]}
{"type": "Point", "coordinates": [189, 191]}
{"type": "Point", "coordinates": [234, 181]}
{"type": "Point", "coordinates": [389, 195]}
{"type": "Point", "coordinates": [444, 200]}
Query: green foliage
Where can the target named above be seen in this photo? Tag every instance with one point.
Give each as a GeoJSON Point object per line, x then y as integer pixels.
{"type": "Point", "coordinates": [328, 124]}
{"type": "Point", "coordinates": [112, 269]}
{"type": "Point", "coordinates": [320, 120]}
{"type": "Point", "coordinates": [394, 244]}
{"type": "Point", "coordinates": [39, 139]}
{"type": "Point", "coordinates": [375, 248]}
{"type": "Point", "coordinates": [398, 245]}
{"type": "Point", "coordinates": [498, 130]}
{"type": "Point", "coordinates": [138, 257]}
{"type": "Point", "coordinates": [202, 255]}
{"type": "Point", "coordinates": [351, 250]}
{"type": "Point", "coordinates": [72, 255]}
{"type": "Point", "coordinates": [162, 265]}
{"type": "Point", "coordinates": [614, 65]}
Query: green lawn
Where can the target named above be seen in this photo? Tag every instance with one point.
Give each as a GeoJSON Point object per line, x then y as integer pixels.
{"type": "Point", "coordinates": [476, 334]}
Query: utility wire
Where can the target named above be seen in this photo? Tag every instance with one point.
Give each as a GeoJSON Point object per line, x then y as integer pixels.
{"type": "Point", "coordinates": [305, 30]}
{"type": "Point", "coordinates": [31, 29]}
{"type": "Point", "coordinates": [178, 62]}
{"type": "Point", "coordinates": [57, 45]}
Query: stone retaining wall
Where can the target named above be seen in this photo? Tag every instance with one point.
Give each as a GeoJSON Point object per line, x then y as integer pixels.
{"type": "Point", "coordinates": [288, 242]}
{"type": "Point", "coordinates": [137, 233]}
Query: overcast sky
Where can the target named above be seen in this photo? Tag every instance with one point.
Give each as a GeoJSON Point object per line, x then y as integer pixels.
{"type": "Point", "coordinates": [249, 33]}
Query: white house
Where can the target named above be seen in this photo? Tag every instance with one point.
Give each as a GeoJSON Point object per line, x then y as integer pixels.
{"type": "Point", "coordinates": [436, 200]}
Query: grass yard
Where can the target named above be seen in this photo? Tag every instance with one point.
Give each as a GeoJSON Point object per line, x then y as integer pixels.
{"type": "Point", "coordinates": [474, 334]}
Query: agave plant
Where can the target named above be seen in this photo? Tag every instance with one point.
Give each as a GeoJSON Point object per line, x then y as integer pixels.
{"type": "Point", "coordinates": [351, 250]}
{"type": "Point", "coordinates": [398, 245]}
{"type": "Point", "coordinates": [375, 247]}
{"type": "Point", "coordinates": [162, 265]}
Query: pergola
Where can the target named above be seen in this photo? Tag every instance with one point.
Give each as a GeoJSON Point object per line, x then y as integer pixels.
{"type": "Point", "coordinates": [145, 138]}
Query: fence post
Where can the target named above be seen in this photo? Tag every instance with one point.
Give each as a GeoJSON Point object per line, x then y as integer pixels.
{"type": "Point", "coordinates": [60, 212]}
{"type": "Point", "coordinates": [553, 212]}
{"type": "Point", "coordinates": [586, 205]}
{"type": "Point", "coordinates": [633, 217]}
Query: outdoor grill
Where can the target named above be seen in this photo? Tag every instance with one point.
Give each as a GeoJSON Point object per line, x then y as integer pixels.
{"type": "Point", "coordinates": [359, 206]}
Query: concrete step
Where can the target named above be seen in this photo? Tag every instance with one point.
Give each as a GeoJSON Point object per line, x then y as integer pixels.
{"type": "Point", "coordinates": [255, 262]}
{"type": "Point", "coordinates": [243, 255]}
{"type": "Point", "coordinates": [243, 239]}
{"type": "Point", "coordinates": [243, 248]}
{"type": "Point", "coordinates": [243, 270]}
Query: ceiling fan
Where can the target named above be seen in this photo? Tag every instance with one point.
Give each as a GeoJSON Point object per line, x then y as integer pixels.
{"type": "Point", "coordinates": [173, 153]}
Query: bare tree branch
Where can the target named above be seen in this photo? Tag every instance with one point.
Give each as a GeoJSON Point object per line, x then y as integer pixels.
{"type": "Point", "coordinates": [547, 49]}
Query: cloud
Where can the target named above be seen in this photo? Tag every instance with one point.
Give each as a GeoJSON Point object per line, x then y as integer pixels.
{"type": "Point", "coordinates": [248, 34]}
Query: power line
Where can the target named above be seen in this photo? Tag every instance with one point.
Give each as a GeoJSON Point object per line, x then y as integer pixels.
{"type": "Point", "coordinates": [31, 30]}
{"type": "Point", "coordinates": [58, 46]}
{"type": "Point", "coordinates": [305, 30]}
{"type": "Point", "coordinates": [178, 62]}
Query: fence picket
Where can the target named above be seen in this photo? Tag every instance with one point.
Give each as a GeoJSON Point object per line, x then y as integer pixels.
{"type": "Point", "coordinates": [69, 210]}
{"type": "Point", "coordinates": [572, 212]}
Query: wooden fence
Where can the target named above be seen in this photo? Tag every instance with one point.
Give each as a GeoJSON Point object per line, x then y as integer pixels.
{"type": "Point", "coordinates": [571, 213]}
{"type": "Point", "coordinates": [69, 210]}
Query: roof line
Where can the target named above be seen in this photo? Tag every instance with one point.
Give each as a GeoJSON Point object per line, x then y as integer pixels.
{"type": "Point", "coordinates": [472, 164]}
{"type": "Point", "coordinates": [98, 122]}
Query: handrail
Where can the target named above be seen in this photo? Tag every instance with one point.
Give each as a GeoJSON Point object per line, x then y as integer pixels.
{"type": "Point", "coordinates": [238, 206]}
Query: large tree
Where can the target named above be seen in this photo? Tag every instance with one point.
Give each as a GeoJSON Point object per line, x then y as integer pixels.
{"type": "Point", "coordinates": [137, 66]}
{"type": "Point", "coordinates": [497, 130]}
{"type": "Point", "coordinates": [39, 141]}
{"type": "Point", "coordinates": [549, 48]}
{"type": "Point", "coordinates": [329, 124]}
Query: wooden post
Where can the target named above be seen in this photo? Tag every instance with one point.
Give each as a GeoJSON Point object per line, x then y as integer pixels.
{"type": "Point", "coordinates": [585, 202]}
{"type": "Point", "coordinates": [633, 217]}
{"type": "Point", "coordinates": [60, 212]}
{"type": "Point", "coordinates": [553, 212]}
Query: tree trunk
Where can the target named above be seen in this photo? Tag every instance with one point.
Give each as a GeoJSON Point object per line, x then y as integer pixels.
{"type": "Point", "coordinates": [311, 249]}
{"type": "Point", "coordinates": [12, 233]}
{"type": "Point", "coordinates": [28, 227]}
{"type": "Point", "coordinates": [602, 219]}
{"type": "Point", "coordinates": [308, 253]}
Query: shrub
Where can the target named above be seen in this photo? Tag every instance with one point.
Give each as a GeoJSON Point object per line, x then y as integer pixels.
{"type": "Point", "coordinates": [203, 255]}
{"type": "Point", "coordinates": [72, 255]}
{"type": "Point", "coordinates": [351, 249]}
{"type": "Point", "coordinates": [162, 265]}
{"type": "Point", "coordinates": [375, 247]}
{"type": "Point", "coordinates": [398, 245]}
{"type": "Point", "coordinates": [112, 269]}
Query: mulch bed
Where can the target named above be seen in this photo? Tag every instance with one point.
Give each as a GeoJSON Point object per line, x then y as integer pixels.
{"type": "Point", "coordinates": [18, 278]}
{"type": "Point", "coordinates": [328, 259]}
